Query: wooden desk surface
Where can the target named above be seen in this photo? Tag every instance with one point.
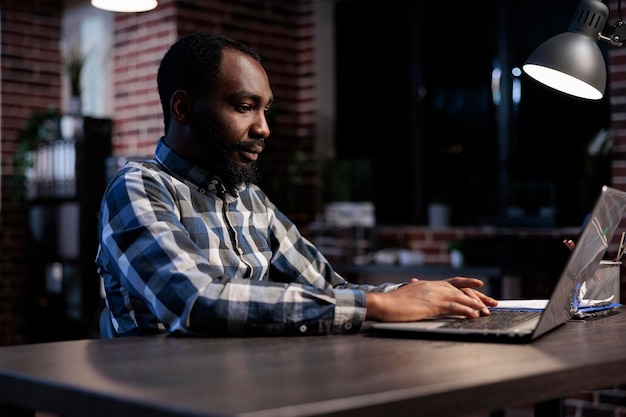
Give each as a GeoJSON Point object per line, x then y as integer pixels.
{"type": "Point", "coordinates": [351, 375]}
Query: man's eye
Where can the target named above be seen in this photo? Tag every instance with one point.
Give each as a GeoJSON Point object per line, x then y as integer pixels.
{"type": "Point", "coordinates": [243, 108]}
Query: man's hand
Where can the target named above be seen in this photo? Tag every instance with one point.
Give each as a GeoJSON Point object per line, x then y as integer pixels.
{"type": "Point", "coordinates": [423, 299]}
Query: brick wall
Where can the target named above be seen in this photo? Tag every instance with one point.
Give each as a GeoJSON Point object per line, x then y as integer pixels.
{"type": "Point", "coordinates": [29, 75]}
{"type": "Point", "coordinates": [617, 91]}
{"type": "Point", "coordinates": [140, 40]}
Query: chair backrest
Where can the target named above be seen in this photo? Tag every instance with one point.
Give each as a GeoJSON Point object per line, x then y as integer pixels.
{"type": "Point", "coordinates": [107, 331]}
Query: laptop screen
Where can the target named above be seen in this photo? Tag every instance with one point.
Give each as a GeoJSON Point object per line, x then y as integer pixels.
{"type": "Point", "coordinates": [591, 246]}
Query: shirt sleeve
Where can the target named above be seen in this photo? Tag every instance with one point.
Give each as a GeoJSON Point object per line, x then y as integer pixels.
{"type": "Point", "coordinates": [155, 265]}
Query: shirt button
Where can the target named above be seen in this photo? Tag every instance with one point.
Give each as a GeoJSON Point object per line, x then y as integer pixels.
{"type": "Point", "coordinates": [347, 326]}
{"type": "Point", "coordinates": [202, 190]}
{"type": "Point", "coordinates": [303, 328]}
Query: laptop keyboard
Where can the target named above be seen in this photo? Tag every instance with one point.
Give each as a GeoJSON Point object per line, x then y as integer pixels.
{"type": "Point", "coordinates": [499, 319]}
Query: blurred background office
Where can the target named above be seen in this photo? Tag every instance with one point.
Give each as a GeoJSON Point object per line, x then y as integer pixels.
{"type": "Point", "coordinates": [391, 107]}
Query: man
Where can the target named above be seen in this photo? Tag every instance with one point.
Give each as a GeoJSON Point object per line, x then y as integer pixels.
{"type": "Point", "coordinates": [190, 245]}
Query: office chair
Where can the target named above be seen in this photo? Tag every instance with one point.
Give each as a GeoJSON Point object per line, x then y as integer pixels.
{"type": "Point", "coordinates": [107, 331]}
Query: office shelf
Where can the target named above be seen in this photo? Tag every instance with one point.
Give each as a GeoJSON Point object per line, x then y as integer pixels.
{"type": "Point", "coordinates": [64, 189]}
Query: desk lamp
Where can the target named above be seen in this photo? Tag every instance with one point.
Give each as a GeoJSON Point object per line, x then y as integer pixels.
{"type": "Point", "coordinates": [572, 62]}
{"type": "Point", "coordinates": [125, 5]}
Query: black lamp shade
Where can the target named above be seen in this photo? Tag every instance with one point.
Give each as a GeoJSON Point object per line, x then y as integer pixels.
{"type": "Point", "coordinates": [572, 62]}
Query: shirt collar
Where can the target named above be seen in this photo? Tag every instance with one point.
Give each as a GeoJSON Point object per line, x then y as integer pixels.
{"type": "Point", "coordinates": [189, 172]}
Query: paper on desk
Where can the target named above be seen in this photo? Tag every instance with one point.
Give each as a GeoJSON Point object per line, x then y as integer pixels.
{"type": "Point", "coordinates": [594, 303]}
{"type": "Point", "coordinates": [587, 302]}
{"type": "Point", "coordinates": [540, 304]}
{"type": "Point", "coordinates": [533, 304]}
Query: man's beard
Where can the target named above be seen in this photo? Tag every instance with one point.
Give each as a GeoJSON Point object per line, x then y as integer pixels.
{"type": "Point", "coordinates": [220, 162]}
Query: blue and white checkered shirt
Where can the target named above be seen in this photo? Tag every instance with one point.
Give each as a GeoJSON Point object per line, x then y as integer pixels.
{"type": "Point", "coordinates": [176, 249]}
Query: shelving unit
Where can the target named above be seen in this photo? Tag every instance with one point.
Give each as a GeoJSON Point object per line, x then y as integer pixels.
{"type": "Point", "coordinates": [64, 189]}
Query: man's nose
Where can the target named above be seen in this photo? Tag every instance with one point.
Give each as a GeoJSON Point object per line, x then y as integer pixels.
{"type": "Point", "coordinates": [261, 128]}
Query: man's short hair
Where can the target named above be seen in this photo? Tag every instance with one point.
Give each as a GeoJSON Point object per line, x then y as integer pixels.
{"type": "Point", "coordinates": [192, 64]}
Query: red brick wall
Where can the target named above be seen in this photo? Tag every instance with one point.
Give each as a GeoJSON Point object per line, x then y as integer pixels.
{"type": "Point", "coordinates": [617, 91]}
{"type": "Point", "coordinates": [140, 40]}
{"type": "Point", "coordinates": [30, 81]}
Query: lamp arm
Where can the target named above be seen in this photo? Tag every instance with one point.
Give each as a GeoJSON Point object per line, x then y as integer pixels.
{"type": "Point", "coordinates": [618, 36]}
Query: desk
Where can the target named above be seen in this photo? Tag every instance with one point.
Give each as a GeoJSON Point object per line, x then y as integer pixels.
{"type": "Point", "coordinates": [347, 375]}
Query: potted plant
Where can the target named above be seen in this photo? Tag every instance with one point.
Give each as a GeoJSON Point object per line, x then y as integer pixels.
{"type": "Point", "coordinates": [74, 62]}
{"type": "Point", "coordinates": [42, 126]}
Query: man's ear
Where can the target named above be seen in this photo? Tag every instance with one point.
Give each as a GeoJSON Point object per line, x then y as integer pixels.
{"type": "Point", "coordinates": [180, 106]}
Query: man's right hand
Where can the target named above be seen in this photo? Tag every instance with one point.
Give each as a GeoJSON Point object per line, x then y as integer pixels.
{"type": "Point", "coordinates": [421, 299]}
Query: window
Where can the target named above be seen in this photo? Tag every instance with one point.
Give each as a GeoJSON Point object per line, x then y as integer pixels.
{"type": "Point", "coordinates": [429, 93]}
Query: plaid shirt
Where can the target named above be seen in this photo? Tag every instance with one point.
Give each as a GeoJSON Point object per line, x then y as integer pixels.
{"type": "Point", "coordinates": [179, 253]}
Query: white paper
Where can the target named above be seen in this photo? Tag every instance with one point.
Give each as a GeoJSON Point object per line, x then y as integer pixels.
{"type": "Point", "coordinates": [532, 304]}
{"type": "Point", "coordinates": [594, 303]}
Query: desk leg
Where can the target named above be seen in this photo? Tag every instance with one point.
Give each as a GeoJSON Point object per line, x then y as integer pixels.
{"type": "Point", "coordinates": [550, 408]}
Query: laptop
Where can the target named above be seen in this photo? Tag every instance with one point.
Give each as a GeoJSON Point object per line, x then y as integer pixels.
{"type": "Point", "coordinates": [562, 305]}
